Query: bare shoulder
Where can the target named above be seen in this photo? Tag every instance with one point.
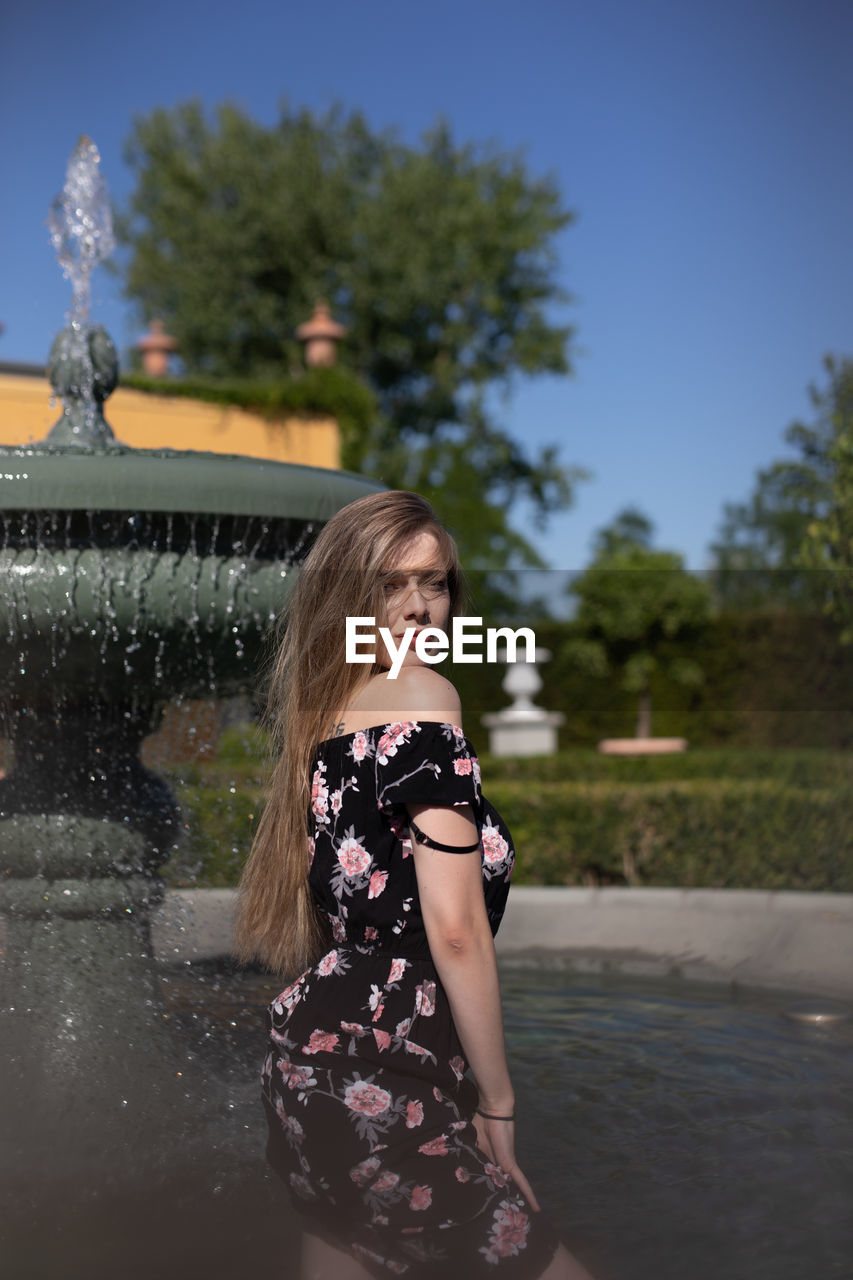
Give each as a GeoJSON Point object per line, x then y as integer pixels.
{"type": "Point", "coordinates": [418, 693]}
{"type": "Point", "coordinates": [430, 695]}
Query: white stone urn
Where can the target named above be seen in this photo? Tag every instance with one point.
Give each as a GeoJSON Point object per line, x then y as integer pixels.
{"type": "Point", "coordinates": [523, 729]}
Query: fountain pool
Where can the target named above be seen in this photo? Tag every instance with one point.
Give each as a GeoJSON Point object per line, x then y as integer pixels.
{"type": "Point", "coordinates": [673, 1131]}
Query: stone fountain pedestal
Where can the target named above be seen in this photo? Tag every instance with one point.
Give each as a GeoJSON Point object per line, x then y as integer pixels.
{"type": "Point", "coordinates": [523, 729]}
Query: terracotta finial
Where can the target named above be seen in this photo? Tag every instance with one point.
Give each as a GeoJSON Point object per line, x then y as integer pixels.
{"type": "Point", "coordinates": [320, 335]}
{"type": "Point", "coordinates": [156, 347]}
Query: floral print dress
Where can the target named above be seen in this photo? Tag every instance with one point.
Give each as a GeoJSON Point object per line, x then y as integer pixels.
{"type": "Point", "coordinates": [364, 1084]}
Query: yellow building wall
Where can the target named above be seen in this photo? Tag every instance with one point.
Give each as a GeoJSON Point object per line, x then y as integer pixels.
{"type": "Point", "coordinates": [174, 422]}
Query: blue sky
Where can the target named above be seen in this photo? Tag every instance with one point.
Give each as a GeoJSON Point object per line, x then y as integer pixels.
{"type": "Point", "coordinates": [703, 145]}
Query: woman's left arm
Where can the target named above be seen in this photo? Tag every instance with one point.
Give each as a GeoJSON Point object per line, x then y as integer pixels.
{"type": "Point", "coordinates": [450, 888]}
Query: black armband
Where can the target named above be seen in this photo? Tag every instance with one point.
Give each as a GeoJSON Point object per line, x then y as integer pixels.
{"type": "Point", "coordinates": [434, 844]}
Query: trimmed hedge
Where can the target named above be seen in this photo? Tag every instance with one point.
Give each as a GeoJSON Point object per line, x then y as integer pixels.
{"type": "Point", "coordinates": [709, 833]}
{"type": "Point", "coordinates": [705, 819]}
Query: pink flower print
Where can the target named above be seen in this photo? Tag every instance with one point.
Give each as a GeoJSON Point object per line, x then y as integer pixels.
{"type": "Point", "coordinates": [353, 1028]}
{"type": "Point", "coordinates": [339, 932]}
{"type": "Point", "coordinates": [294, 1127]}
{"type": "Point", "coordinates": [385, 1182]}
{"type": "Point", "coordinates": [462, 767]}
{"type": "Point", "coordinates": [366, 1098]}
{"type": "Point", "coordinates": [421, 1198]}
{"type": "Point", "coordinates": [310, 850]}
{"type": "Point", "coordinates": [290, 1123]}
{"type": "Point", "coordinates": [382, 1038]}
{"type": "Point", "coordinates": [398, 968]}
{"type": "Point", "coordinates": [289, 998]}
{"type": "Point", "coordinates": [370, 933]}
{"type": "Point", "coordinates": [301, 1186]}
{"type": "Point", "coordinates": [475, 765]}
{"type": "Point", "coordinates": [401, 830]}
{"type": "Point", "coordinates": [414, 1114]}
{"type": "Point", "coordinates": [394, 735]}
{"type": "Point", "coordinates": [377, 883]}
{"type": "Point", "coordinates": [425, 998]}
{"type": "Point", "coordinates": [336, 802]}
{"type": "Point", "coordinates": [462, 1175]}
{"type": "Point", "coordinates": [403, 1027]}
{"type": "Point", "coordinates": [435, 1147]}
{"type": "Point", "coordinates": [359, 746]}
{"type": "Point", "coordinates": [320, 1042]}
{"type": "Point", "coordinates": [296, 1077]}
{"type": "Point", "coordinates": [509, 1233]}
{"type": "Point", "coordinates": [411, 1047]}
{"type": "Point", "coordinates": [362, 1173]}
{"type": "Point", "coordinates": [495, 848]}
{"type": "Point", "coordinates": [375, 1002]}
{"type": "Point", "coordinates": [496, 1175]}
{"type": "Point", "coordinates": [353, 857]}
{"type": "Point", "coordinates": [319, 794]}
{"type": "Point", "coordinates": [327, 964]}
{"type": "Point", "coordinates": [380, 1220]}
{"type": "Point", "coordinates": [437, 1094]}
{"type": "Point", "coordinates": [457, 1066]}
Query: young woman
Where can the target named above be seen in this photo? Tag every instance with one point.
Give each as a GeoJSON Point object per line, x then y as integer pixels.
{"type": "Point", "coordinates": [379, 875]}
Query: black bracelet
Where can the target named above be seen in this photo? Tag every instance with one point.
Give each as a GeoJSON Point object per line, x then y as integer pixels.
{"type": "Point", "coordinates": [434, 844]}
{"type": "Point", "coordinates": [488, 1116]}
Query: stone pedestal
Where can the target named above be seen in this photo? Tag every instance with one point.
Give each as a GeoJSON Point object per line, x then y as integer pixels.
{"type": "Point", "coordinates": [523, 737]}
{"type": "Point", "coordinates": [523, 729]}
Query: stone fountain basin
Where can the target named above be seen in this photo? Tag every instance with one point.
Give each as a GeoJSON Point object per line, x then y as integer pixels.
{"type": "Point", "coordinates": [165, 567]}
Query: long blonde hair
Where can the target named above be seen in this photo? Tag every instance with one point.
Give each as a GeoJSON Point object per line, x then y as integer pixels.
{"type": "Point", "coordinates": [310, 682]}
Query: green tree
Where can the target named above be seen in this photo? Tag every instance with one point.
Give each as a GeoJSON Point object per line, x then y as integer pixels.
{"type": "Point", "coordinates": [632, 603]}
{"type": "Point", "coordinates": [439, 258]}
{"type": "Point", "coordinates": [759, 560]}
{"type": "Point", "coordinates": [630, 528]}
{"type": "Point", "coordinates": [827, 550]}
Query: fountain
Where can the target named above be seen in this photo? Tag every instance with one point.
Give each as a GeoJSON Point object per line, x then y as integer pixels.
{"type": "Point", "coordinates": [666, 1123]}
{"type": "Point", "coordinates": [129, 577]}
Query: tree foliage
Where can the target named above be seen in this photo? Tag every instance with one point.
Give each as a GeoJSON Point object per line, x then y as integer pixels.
{"type": "Point", "coordinates": [827, 550]}
{"type": "Point", "coordinates": [632, 604]}
{"type": "Point", "coordinates": [439, 258]}
{"type": "Point", "coordinates": [770, 547]}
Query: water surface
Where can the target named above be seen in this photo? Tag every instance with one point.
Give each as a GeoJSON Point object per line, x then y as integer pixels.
{"type": "Point", "coordinates": [673, 1130]}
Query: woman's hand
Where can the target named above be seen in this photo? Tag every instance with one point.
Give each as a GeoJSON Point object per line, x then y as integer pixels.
{"type": "Point", "coordinates": [497, 1139]}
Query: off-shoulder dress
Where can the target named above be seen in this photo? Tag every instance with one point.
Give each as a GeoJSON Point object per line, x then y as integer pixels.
{"type": "Point", "coordinates": [364, 1085]}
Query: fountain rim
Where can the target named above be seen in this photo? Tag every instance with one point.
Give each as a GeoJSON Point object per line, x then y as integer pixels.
{"type": "Point", "coordinates": [39, 478]}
